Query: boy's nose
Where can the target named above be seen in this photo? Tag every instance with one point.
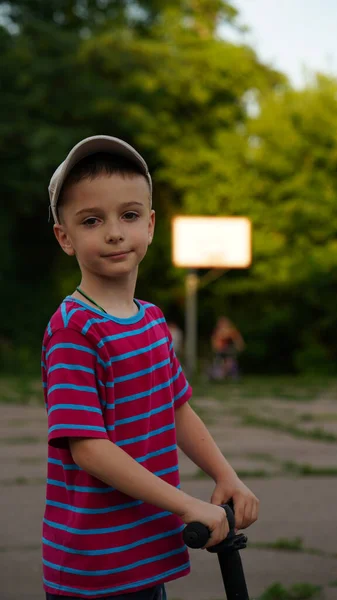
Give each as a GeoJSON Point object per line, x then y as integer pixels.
{"type": "Point", "coordinates": [114, 233]}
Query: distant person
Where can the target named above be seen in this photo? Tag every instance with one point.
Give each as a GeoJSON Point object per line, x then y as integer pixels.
{"type": "Point", "coordinates": [117, 400]}
{"type": "Point", "coordinates": [227, 342]}
{"type": "Point", "coordinates": [177, 337]}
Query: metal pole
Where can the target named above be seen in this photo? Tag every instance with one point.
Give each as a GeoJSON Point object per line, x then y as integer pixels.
{"type": "Point", "coordinates": [191, 284]}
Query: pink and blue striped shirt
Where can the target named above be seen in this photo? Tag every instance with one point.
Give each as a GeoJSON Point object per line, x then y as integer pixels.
{"type": "Point", "coordinates": [115, 379]}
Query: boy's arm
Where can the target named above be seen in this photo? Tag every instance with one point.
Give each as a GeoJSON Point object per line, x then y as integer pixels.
{"type": "Point", "coordinates": [197, 443]}
{"type": "Point", "coordinates": [112, 465]}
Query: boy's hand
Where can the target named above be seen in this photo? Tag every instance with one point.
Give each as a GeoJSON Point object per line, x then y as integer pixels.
{"type": "Point", "coordinates": [214, 517]}
{"type": "Point", "coordinates": [246, 504]}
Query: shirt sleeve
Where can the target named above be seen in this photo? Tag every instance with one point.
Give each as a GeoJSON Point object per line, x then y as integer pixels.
{"type": "Point", "coordinates": [182, 390]}
{"type": "Point", "coordinates": [73, 403]}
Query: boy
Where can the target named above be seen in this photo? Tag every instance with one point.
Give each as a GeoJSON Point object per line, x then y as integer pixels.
{"type": "Point", "coordinates": [117, 400]}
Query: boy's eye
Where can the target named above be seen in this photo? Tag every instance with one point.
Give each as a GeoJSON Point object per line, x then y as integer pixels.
{"type": "Point", "coordinates": [90, 221]}
{"type": "Point", "coordinates": [130, 215]}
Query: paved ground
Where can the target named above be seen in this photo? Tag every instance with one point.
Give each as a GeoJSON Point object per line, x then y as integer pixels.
{"type": "Point", "coordinates": [271, 460]}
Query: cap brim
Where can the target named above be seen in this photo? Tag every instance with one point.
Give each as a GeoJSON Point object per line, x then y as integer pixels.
{"type": "Point", "coordinates": [88, 146]}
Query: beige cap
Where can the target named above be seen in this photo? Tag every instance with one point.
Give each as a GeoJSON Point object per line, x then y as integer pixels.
{"type": "Point", "coordinates": [91, 145]}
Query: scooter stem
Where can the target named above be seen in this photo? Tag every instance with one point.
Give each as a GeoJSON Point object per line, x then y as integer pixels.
{"type": "Point", "coordinates": [196, 535]}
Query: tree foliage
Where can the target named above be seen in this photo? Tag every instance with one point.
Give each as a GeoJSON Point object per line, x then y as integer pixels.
{"type": "Point", "coordinates": [223, 134]}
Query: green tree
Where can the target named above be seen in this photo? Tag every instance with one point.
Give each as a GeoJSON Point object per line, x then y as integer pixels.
{"type": "Point", "coordinates": [155, 74]}
{"type": "Point", "coordinates": [158, 75]}
{"type": "Point", "coordinates": [177, 93]}
{"type": "Point", "coordinates": [287, 184]}
{"type": "Point", "coordinates": [295, 156]}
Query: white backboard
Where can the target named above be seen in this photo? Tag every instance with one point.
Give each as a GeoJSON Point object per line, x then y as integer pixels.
{"type": "Point", "coordinates": [206, 242]}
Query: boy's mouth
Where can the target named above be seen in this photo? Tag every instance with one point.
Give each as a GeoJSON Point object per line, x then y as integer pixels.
{"type": "Point", "coordinates": [116, 254]}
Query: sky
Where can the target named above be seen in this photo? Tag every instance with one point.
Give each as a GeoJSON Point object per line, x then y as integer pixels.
{"type": "Point", "coordinates": [296, 36]}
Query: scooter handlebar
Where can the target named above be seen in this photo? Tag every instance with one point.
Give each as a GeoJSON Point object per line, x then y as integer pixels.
{"type": "Point", "coordinates": [196, 535]}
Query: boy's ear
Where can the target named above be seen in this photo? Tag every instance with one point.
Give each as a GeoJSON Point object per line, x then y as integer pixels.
{"type": "Point", "coordinates": [63, 239]}
{"type": "Point", "coordinates": [151, 225]}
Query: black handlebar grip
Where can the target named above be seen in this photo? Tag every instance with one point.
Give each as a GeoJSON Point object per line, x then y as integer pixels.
{"type": "Point", "coordinates": [196, 535]}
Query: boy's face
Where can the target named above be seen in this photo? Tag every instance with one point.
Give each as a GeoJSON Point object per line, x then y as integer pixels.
{"type": "Point", "coordinates": [108, 224]}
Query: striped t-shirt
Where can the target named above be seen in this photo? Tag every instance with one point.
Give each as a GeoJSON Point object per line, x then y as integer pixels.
{"type": "Point", "coordinates": [116, 379]}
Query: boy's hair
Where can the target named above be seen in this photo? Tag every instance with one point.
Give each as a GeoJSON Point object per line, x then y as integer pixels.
{"type": "Point", "coordinates": [94, 165]}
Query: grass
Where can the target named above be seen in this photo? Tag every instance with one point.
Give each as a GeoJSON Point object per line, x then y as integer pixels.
{"type": "Point", "coordinates": [291, 545]}
{"type": "Point", "coordinates": [292, 468]}
{"type": "Point", "coordinates": [31, 460]}
{"type": "Point", "coordinates": [24, 422]}
{"type": "Point", "coordinates": [23, 548]}
{"type": "Point", "coordinates": [242, 473]}
{"type": "Point", "coordinates": [16, 423]}
{"type": "Point", "coordinates": [318, 418]}
{"type": "Point", "coordinates": [306, 470]}
{"type": "Point", "coordinates": [316, 433]}
{"type": "Point", "coordinates": [282, 468]}
{"type": "Point", "coordinates": [22, 481]}
{"type": "Point", "coordinates": [298, 388]}
{"type": "Point", "coordinates": [21, 390]}
{"type": "Point", "coordinates": [28, 390]}
{"type": "Point", "coordinates": [22, 440]}
{"type": "Point", "coordinates": [299, 591]}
